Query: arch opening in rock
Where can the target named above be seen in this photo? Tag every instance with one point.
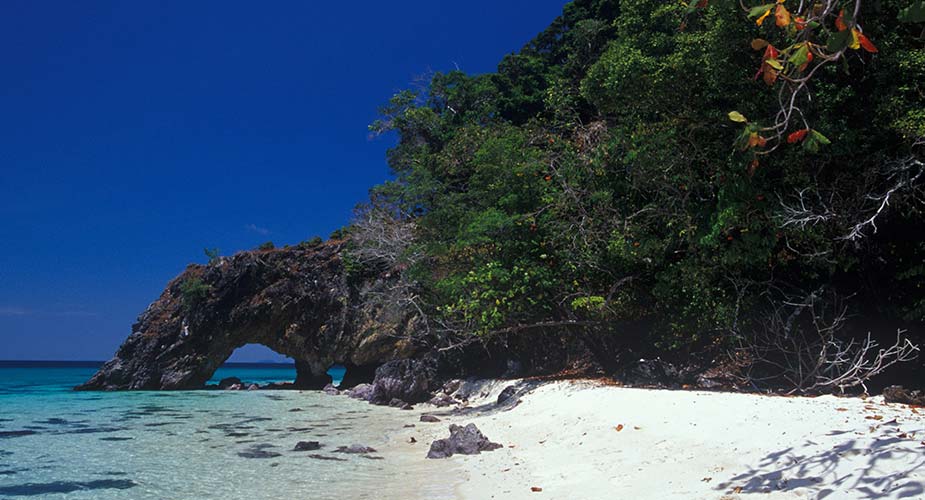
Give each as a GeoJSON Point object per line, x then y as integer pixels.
{"type": "Point", "coordinates": [256, 364]}
{"type": "Point", "coordinates": [298, 302]}
{"type": "Point", "coordinates": [337, 372]}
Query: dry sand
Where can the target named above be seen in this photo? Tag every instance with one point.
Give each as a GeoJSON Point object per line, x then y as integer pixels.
{"type": "Point", "coordinates": [582, 440]}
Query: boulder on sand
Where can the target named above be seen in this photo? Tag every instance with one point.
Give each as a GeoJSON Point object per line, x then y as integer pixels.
{"type": "Point", "coordinates": [467, 440]}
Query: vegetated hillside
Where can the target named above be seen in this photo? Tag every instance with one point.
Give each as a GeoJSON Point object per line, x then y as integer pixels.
{"type": "Point", "coordinates": [628, 179]}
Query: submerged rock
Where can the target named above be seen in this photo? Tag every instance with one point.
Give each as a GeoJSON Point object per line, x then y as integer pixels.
{"type": "Point", "coordinates": [467, 440]}
{"type": "Point", "coordinates": [12, 434]}
{"type": "Point", "coordinates": [307, 446]}
{"type": "Point", "coordinates": [324, 457]}
{"type": "Point", "coordinates": [429, 418]}
{"type": "Point", "coordinates": [355, 449]}
{"type": "Point", "coordinates": [254, 453]}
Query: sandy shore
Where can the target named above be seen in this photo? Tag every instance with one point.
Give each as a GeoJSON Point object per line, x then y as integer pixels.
{"type": "Point", "coordinates": [582, 440]}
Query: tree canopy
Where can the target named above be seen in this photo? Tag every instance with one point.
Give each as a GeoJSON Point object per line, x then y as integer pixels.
{"type": "Point", "coordinates": [629, 167]}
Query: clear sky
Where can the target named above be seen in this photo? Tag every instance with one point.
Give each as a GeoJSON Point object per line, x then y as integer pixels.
{"type": "Point", "coordinates": [134, 134]}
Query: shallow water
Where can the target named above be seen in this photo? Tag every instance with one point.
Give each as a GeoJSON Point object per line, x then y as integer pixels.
{"type": "Point", "coordinates": [57, 444]}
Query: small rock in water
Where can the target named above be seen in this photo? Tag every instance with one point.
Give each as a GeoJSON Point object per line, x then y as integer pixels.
{"type": "Point", "coordinates": [330, 390]}
{"type": "Point", "coordinates": [355, 448]}
{"type": "Point", "coordinates": [11, 434]}
{"type": "Point", "coordinates": [429, 418]}
{"type": "Point", "coordinates": [227, 383]}
{"type": "Point", "coordinates": [253, 387]}
{"type": "Point", "coordinates": [307, 446]}
{"type": "Point", "coordinates": [323, 457]}
{"type": "Point", "coordinates": [254, 453]}
{"type": "Point", "coordinates": [467, 440]}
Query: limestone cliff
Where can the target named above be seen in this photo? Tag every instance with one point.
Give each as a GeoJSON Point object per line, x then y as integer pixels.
{"type": "Point", "coordinates": [297, 301]}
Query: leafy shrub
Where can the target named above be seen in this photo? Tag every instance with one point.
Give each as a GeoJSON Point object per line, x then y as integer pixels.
{"type": "Point", "coordinates": [193, 291]}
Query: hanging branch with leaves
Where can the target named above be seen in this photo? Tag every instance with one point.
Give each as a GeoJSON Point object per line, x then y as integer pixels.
{"type": "Point", "coordinates": [817, 34]}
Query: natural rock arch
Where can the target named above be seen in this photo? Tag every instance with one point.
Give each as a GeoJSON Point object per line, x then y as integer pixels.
{"type": "Point", "coordinates": [296, 301]}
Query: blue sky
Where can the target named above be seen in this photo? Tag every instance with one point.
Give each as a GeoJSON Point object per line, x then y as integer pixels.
{"type": "Point", "coordinates": [134, 134]}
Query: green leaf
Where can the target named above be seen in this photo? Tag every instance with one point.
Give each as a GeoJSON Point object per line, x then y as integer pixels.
{"type": "Point", "coordinates": [914, 13]}
{"type": "Point", "coordinates": [760, 10]}
{"type": "Point", "coordinates": [819, 137]}
{"type": "Point", "coordinates": [814, 141]}
{"type": "Point", "coordinates": [737, 117]}
{"type": "Point", "coordinates": [774, 63]}
{"type": "Point", "coordinates": [800, 57]}
{"type": "Point", "coordinates": [839, 40]}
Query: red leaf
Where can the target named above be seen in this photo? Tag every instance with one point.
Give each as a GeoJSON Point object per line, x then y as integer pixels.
{"type": "Point", "coordinates": [702, 4]}
{"type": "Point", "coordinates": [840, 21]}
{"type": "Point", "coordinates": [797, 136]}
{"type": "Point", "coordinates": [866, 44]}
{"type": "Point", "coordinates": [771, 52]}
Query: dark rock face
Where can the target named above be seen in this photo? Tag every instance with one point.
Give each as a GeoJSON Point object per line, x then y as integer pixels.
{"type": "Point", "coordinates": [652, 372]}
{"type": "Point", "coordinates": [898, 394]}
{"type": "Point", "coordinates": [467, 440]}
{"type": "Point", "coordinates": [296, 301]}
{"type": "Point", "coordinates": [407, 380]}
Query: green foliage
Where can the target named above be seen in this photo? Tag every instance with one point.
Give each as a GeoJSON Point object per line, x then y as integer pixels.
{"type": "Point", "coordinates": [192, 292]}
{"type": "Point", "coordinates": [339, 233]}
{"type": "Point", "coordinates": [213, 254]}
{"type": "Point", "coordinates": [313, 242]}
{"type": "Point", "coordinates": [592, 176]}
{"type": "Point", "coordinates": [266, 246]}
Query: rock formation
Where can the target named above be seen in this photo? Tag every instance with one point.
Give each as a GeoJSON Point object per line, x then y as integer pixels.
{"type": "Point", "coordinates": [298, 301]}
{"type": "Point", "coordinates": [467, 440]}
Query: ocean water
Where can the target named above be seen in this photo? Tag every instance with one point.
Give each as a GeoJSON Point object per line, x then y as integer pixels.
{"type": "Point", "coordinates": [59, 444]}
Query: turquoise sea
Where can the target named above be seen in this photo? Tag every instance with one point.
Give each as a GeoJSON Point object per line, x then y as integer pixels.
{"type": "Point", "coordinates": [59, 444]}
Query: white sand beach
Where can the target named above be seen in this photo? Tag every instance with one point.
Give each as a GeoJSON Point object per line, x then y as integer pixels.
{"type": "Point", "coordinates": [584, 440]}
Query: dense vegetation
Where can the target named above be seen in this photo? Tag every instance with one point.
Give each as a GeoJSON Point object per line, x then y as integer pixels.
{"type": "Point", "coordinates": [599, 181]}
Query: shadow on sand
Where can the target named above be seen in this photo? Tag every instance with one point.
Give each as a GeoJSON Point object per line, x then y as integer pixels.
{"type": "Point", "coordinates": [886, 462]}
